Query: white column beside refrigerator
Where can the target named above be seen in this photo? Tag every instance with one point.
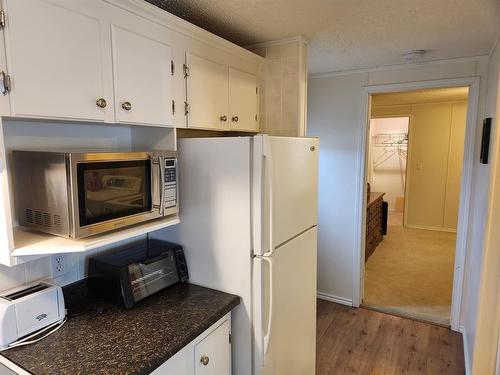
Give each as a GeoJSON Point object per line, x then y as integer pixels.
{"type": "Point", "coordinates": [248, 226]}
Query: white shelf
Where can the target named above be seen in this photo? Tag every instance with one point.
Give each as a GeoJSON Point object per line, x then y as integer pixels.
{"type": "Point", "coordinates": [28, 243]}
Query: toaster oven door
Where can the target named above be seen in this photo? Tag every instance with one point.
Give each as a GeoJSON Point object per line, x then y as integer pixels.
{"type": "Point", "coordinates": [111, 194]}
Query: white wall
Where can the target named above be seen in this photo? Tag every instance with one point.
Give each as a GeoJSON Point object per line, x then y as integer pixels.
{"type": "Point", "coordinates": [387, 172]}
{"type": "Point", "coordinates": [482, 295]}
{"type": "Point", "coordinates": [334, 107]}
{"type": "Point", "coordinates": [334, 114]}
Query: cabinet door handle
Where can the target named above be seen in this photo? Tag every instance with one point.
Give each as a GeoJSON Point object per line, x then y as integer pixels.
{"type": "Point", "coordinates": [126, 106]}
{"type": "Point", "coordinates": [223, 118]}
{"type": "Point", "coordinates": [205, 360]}
{"type": "Point", "coordinates": [235, 119]}
{"type": "Point", "coordinates": [101, 103]}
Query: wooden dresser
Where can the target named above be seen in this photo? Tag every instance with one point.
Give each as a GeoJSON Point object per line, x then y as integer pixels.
{"type": "Point", "coordinates": [374, 223]}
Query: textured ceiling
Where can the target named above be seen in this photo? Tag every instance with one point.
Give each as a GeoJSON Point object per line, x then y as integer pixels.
{"type": "Point", "coordinates": [452, 94]}
{"type": "Point", "coordinates": [351, 34]}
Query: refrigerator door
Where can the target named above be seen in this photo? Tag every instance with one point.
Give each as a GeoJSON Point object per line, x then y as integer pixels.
{"type": "Point", "coordinates": [285, 189]}
{"type": "Point", "coordinates": [285, 308]}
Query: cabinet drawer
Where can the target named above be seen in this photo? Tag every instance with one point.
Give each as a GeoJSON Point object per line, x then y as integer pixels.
{"type": "Point", "coordinates": [374, 209]}
{"type": "Point", "coordinates": [212, 355]}
{"type": "Point", "coordinates": [375, 222]}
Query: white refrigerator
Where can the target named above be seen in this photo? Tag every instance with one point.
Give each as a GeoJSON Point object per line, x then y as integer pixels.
{"type": "Point", "coordinates": [248, 209]}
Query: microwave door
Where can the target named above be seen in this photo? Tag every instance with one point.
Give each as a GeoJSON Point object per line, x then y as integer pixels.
{"type": "Point", "coordinates": [113, 194]}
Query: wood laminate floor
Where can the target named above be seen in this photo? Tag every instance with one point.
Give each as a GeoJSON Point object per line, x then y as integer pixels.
{"type": "Point", "coordinates": [367, 342]}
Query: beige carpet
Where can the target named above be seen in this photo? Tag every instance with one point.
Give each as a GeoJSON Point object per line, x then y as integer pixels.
{"type": "Point", "coordinates": [411, 274]}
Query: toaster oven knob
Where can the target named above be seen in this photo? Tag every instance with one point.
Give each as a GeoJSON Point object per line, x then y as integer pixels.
{"type": "Point", "coordinates": [101, 103]}
{"type": "Point", "coordinates": [204, 360]}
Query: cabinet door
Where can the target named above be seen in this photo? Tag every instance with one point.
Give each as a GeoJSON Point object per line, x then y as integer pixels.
{"type": "Point", "coordinates": [55, 61]}
{"type": "Point", "coordinates": [207, 93]}
{"type": "Point", "coordinates": [142, 79]}
{"type": "Point", "coordinates": [243, 100]}
{"type": "Point", "coordinates": [213, 354]}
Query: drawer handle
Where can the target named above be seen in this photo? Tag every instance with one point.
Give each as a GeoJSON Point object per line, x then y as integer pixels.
{"type": "Point", "coordinates": [204, 360]}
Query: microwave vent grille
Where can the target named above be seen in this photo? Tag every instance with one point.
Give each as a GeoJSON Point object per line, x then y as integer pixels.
{"type": "Point", "coordinates": [43, 219]}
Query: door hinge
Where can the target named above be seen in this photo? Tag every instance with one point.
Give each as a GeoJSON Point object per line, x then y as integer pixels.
{"type": "Point", "coordinates": [2, 19]}
{"type": "Point", "coordinates": [172, 67]}
{"type": "Point", "coordinates": [173, 107]}
{"type": "Point", "coordinates": [4, 83]}
{"type": "Point", "coordinates": [185, 68]}
{"type": "Point", "coordinates": [186, 108]}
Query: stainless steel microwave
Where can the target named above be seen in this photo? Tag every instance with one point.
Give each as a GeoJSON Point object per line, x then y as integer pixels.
{"type": "Point", "coordinates": [80, 194]}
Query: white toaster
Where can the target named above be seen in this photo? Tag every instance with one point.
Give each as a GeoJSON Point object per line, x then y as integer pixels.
{"type": "Point", "coordinates": [29, 308]}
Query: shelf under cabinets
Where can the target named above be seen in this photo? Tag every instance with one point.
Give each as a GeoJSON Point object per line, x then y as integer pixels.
{"type": "Point", "coordinates": [28, 243]}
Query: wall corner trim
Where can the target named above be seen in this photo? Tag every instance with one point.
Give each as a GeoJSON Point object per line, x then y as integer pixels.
{"type": "Point", "coordinates": [336, 299]}
{"type": "Point", "coordinates": [466, 352]}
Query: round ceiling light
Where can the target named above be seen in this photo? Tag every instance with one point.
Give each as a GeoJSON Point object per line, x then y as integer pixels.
{"type": "Point", "coordinates": [414, 55]}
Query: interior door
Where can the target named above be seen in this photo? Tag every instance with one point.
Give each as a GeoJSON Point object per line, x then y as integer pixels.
{"type": "Point", "coordinates": [55, 61]}
{"type": "Point", "coordinates": [292, 182]}
{"type": "Point", "coordinates": [142, 78]}
{"type": "Point", "coordinates": [243, 99]}
{"type": "Point", "coordinates": [207, 93]}
{"type": "Point", "coordinates": [286, 308]}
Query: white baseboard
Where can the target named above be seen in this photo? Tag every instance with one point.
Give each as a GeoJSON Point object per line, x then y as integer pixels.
{"type": "Point", "coordinates": [437, 229]}
{"type": "Point", "coordinates": [336, 299]}
{"type": "Point", "coordinates": [466, 352]}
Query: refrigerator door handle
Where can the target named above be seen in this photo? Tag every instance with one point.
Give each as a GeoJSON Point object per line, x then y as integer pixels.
{"type": "Point", "coordinates": [267, 336]}
{"type": "Point", "coordinates": [266, 152]}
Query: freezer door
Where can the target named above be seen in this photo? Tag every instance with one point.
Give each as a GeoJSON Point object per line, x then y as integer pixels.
{"type": "Point", "coordinates": [285, 308]}
{"type": "Point", "coordinates": [285, 189]}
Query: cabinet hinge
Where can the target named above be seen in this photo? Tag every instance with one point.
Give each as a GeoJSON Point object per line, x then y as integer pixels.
{"type": "Point", "coordinates": [173, 107]}
{"type": "Point", "coordinates": [186, 70]}
{"type": "Point", "coordinates": [230, 338]}
{"type": "Point", "coordinates": [256, 91]}
{"type": "Point", "coordinates": [2, 19]}
{"type": "Point", "coordinates": [172, 67]}
{"type": "Point", "coordinates": [4, 83]}
{"type": "Point", "coordinates": [186, 108]}
{"type": "Point", "coordinates": [255, 117]}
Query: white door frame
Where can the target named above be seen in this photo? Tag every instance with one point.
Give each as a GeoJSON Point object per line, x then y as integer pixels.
{"type": "Point", "coordinates": [465, 190]}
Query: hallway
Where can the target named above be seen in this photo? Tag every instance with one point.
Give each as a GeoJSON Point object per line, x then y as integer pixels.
{"type": "Point", "coordinates": [361, 341]}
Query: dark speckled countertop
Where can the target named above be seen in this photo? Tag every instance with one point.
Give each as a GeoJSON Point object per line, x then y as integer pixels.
{"type": "Point", "coordinates": [119, 341]}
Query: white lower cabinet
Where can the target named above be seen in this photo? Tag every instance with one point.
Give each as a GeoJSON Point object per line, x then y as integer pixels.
{"type": "Point", "coordinates": [208, 354]}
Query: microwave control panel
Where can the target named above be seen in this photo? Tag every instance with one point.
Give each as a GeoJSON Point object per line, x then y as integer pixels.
{"type": "Point", "coordinates": [170, 186]}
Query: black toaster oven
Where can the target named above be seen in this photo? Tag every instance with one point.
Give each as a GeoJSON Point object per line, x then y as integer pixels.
{"type": "Point", "coordinates": [129, 273]}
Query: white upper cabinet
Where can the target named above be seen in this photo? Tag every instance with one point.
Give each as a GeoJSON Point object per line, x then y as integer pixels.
{"type": "Point", "coordinates": [121, 61]}
{"type": "Point", "coordinates": [243, 99]}
{"type": "Point", "coordinates": [142, 77]}
{"type": "Point", "coordinates": [55, 61]}
{"type": "Point", "coordinates": [207, 93]}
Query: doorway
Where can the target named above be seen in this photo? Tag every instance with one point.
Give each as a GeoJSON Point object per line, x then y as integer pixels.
{"type": "Point", "coordinates": [415, 153]}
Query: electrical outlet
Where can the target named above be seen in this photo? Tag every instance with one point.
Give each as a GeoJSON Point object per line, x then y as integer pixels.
{"type": "Point", "coordinates": [59, 265]}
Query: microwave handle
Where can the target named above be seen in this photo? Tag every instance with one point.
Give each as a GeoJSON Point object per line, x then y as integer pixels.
{"type": "Point", "coordinates": [156, 184]}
